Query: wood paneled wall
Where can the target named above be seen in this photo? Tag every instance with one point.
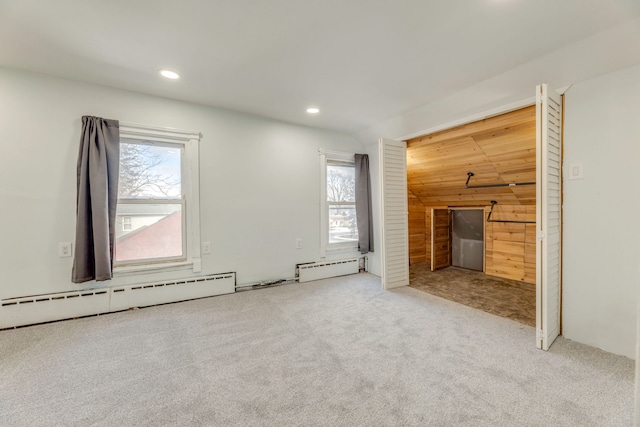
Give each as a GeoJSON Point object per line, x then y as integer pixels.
{"type": "Point", "coordinates": [441, 239]}
{"type": "Point", "coordinates": [510, 249]}
{"type": "Point", "coordinates": [417, 230]}
{"type": "Point", "coordinates": [499, 149]}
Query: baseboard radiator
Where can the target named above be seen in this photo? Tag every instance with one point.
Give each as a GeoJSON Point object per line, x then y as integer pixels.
{"type": "Point", "coordinates": [327, 269]}
{"type": "Point", "coordinates": [68, 305]}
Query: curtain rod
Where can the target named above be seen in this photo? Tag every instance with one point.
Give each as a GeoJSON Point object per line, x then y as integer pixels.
{"type": "Point", "coordinates": [157, 128]}
{"type": "Point", "coordinates": [335, 152]}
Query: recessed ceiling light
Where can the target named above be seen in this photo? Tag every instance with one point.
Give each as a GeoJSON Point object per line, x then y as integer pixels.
{"type": "Point", "coordinates": [313, 110]}
{"type": "Point", "coordinates": [169, 74]}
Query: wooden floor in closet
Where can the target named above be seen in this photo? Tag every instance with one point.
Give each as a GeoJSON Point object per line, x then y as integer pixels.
{"type": "Point", "coordinates": [502, 297]}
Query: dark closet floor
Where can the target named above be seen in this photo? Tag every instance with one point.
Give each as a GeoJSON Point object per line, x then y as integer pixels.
{"type": "Point", "coordinates": [502, 297]}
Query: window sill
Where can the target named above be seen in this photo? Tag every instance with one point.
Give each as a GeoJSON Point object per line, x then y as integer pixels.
{"type": "Point", "coordinates": [332, 252]}
{"type": "Point", "coordinates": [131, 270]}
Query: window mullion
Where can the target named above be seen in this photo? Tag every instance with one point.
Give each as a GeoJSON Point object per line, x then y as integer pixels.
{"type": "Point", "coordinates": [341, 203]}
{"type": "Point", "coordinates": [150, 201]}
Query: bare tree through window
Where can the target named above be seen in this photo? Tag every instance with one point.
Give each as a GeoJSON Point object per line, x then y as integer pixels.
{"type": "Point", "coordinates": [341, 203]}
{"type": "Point", "coordinates": [150, 202]}
{"type": "Point", "coordinates": [142, 175]}
{"type": "Point", "coordinates": [340, 185]}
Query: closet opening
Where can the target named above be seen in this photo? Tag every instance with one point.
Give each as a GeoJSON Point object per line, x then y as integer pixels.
{"type": "Point", "coordinates": [456, 180]}
{"type": "Point", "coordinates": [515, 160]}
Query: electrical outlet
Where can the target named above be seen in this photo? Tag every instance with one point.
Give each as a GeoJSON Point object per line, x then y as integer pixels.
{"type": "Point", "coordinates": [298, 243]}
{"type": "Point", "coordinates": [206, 248]}
{"type": "Point", "coordinates": [64, 249]}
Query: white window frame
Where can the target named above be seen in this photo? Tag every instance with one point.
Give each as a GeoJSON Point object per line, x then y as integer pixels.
{"type": "Point", "coordinates": [189, 142]}
{"type": "Point", "coordinates": [327, 248]}
{"type": "Point", "coordinates": [126, 223]}
{"type": "Point", "coordinates": [161, 201]}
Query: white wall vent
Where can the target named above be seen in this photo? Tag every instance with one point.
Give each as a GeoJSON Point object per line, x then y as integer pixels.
{"type": "Point", "coordinates": [68, 305]}
{"type": "Point", "coordinates": [324, 270]}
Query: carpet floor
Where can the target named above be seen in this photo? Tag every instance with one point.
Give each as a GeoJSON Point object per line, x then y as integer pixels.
{"type": "Point", "coordinates": [502, 297]}
{"type": "Point", "coordinates": [337, 352]}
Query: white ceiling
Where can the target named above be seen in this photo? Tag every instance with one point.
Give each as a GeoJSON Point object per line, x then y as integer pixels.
{"type": "Point", "coordinates": [362, 62]}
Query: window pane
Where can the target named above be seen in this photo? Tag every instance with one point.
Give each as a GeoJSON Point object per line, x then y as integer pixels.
{"type": "Point", "coordinates": [149, 171]}
{"type": "Point", "coordinates": [155, 231]}
{"type": "Point", "coordinates": [340, 183]}
{"type": "Point", "coordinates": [342, 223]}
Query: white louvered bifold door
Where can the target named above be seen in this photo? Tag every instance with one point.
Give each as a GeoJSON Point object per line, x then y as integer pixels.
{"type": "Point", "coordinates": [395, 233]}
{"type": "Point", "coordinates": [548, 214]}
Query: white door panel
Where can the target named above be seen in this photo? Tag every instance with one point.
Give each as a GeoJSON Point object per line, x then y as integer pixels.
{"type": "Point", "coordinates": [395, 234]}
{"type": "Point", "coordinates": [548, 214]}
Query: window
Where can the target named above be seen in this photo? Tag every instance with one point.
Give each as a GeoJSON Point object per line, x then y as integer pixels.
{"type": "Point", "coordinates": [339, 228]}
{"type": "Point", "coordinates": [158, 204]}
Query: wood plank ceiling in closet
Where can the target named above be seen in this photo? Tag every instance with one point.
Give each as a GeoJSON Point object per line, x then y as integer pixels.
{"type": "Point", "coordinates": [498, 150]}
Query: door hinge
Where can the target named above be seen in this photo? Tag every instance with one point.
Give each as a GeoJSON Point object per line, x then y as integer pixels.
{"type": "Point", "coordinates": [541, 235]}
{"type": "Point", "coordinates": [539, 334]}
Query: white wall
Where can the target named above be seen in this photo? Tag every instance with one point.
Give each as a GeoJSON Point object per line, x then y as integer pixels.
{"type": "Point", "coordinates": [602, 212]}
{"type": "Point", "coordinates": [516, 87]}
{"type": "Point", "coordinates": [260, 181]}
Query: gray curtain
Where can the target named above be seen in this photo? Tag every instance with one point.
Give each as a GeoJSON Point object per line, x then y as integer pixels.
{"type": "Point", "coordinates": [363, 204]}
{"type": "Point", "coordinates": [97, 197]}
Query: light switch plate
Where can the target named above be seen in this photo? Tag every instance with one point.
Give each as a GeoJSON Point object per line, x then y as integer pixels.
{"type": "Point", "coordinates": [576, 171]}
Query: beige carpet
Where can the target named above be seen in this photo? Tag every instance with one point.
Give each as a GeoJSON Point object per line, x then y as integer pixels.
{"type": "Point", "coordinates": [339, 352]}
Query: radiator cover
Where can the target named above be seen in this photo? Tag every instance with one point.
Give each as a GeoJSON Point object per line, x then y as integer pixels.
{"type": "Point", "coordinates": [68, 305]}
{"type": "Point", "coordinates": [326, 269]}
